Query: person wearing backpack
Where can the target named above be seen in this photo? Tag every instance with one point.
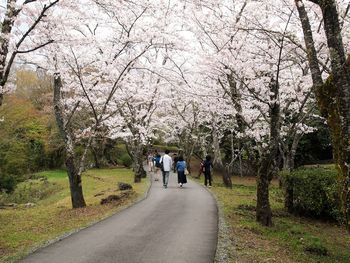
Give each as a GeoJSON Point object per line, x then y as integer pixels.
{"type": "Point", "coordinates": [181, 168]}
{"type": "Point", "coordinates": [157, 164]}
{"type": "Point", "coordinates": [201, 168]}
{"type": "Point", "coordinates": [167, 162]}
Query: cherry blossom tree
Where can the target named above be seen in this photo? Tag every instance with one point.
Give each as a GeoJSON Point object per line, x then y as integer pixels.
{"type": "Point", "coordinates": [18, 25]}
{"type": "Point", "coordinates": [94, 57]}
{"type": "Point", "coordinates": [257, 53]}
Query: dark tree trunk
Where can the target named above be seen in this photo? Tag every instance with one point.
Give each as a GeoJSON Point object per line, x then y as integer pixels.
{"type": "Point", "coordinates": [135, 151]}
{"type": "Point", "coordinates": [263, 209]}
{"type": "Point", "coordinates": [217, 162]}
{"type": "Point", "coordinates": [140, 160]}
{"type": "Point", "coordinates": [73, 170]}
{"type": "Point", "coordinates": [341, 79]}
{"type": "Point", "coordinates": [333, 96]}
{"type": "Point", "coordinates": [188, 147]}
{"type": "Point", "coordinates": [226, 178]}
{"type": "Point", "coordinates": [268, 164]}
{"type": "Point", "coordinates": [6, 28]}
{"type": "Point", "coordinates": [75, 185]}
{"type": "Point", "coordinates": [137, 173]}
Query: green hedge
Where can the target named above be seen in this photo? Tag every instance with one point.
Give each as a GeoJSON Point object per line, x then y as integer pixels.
{"type": "Point", "coordinates": [313, 192]}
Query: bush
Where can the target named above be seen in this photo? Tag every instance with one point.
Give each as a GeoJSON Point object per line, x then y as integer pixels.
{"type": "Point", "coordinates": [7, 183]}
{"type": "Point", "coordinates": [313, 192]}
{"type": "Point", "coordinates": [31, 191]}
{"type": "Point", "coordinates": [126, 160]}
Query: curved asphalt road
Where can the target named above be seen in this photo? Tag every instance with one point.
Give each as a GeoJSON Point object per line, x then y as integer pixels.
{"type": "Point", "coordinates": [171, 225]}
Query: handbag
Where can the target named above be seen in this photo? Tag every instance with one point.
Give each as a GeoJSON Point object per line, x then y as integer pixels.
{"type": "Point", "coordinates": [186, 172]}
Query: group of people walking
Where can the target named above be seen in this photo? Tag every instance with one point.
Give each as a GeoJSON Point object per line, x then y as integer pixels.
{"type": "Point", "coordinates": [162, 165]}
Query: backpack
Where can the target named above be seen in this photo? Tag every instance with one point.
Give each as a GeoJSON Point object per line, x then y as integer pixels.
{"type": "Point", "coordinates": [158, 163]}
{"type": "Point", "coordinates": [201, 166]}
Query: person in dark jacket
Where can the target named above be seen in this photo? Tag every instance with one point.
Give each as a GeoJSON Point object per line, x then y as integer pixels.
{"type": "Point", "coordinates": [157, 166]}
{"type": "Point", "coordinates": [181, 168]}
{"type": "Point", "coordinates": [207, 166]}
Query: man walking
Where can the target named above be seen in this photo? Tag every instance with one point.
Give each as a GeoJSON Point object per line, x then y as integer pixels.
{"type": "Point", "coordinates": [167, 165]}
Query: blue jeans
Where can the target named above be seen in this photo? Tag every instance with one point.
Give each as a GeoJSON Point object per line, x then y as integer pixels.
{"type": "Point", "coordinates": [166, 177]}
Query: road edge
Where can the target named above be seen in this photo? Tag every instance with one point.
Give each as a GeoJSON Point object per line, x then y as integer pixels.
{"type": "Point", "coordinates": [67, 234]}
{"type": "Point", "coordinates": [225, 248]}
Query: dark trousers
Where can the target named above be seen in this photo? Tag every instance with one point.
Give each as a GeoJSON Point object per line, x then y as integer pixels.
{"type": "Point", "coordinates": [181, 177]}
{"type": "Point", "coordinates": [207, 176]}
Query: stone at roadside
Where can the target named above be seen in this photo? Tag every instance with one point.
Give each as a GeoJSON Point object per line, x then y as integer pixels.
{"type": "Point", "coordinates": [114, 198]}
{"type": "Point", "coordinates": [124, 186]}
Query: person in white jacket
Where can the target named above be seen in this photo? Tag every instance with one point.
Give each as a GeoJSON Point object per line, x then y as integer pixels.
{"type": "Point", "coordinates": [167, 165]}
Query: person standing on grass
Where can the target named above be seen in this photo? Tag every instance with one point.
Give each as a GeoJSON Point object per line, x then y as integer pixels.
{"type": "Point", "coordinates": [207, 166]}
{"type": "Point", "coordinates": [181, 168]}
{"type": "Point", "coordinates": [167, 165]}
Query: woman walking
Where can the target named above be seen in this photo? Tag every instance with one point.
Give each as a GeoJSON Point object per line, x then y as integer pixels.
{"type": "Point", "coordinates": [181, 168]}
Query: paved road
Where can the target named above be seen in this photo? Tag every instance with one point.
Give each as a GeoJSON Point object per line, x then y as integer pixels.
{"type": "Point", "coordinates": [171, 225]}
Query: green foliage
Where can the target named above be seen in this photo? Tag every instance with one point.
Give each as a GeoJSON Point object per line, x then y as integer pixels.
{"type": "Point", "coordinates": [27, 141]}
{"type": "Point", "coordinates": [126, 160]}
{"type": "Point", "coordinates": [7, 183]}
{"type": "Point", "coordinates": [31, 191]}
{"type": "Point", "coordinates": [314, 246]}
{"type": "Point", "coordinates": [314, 192]}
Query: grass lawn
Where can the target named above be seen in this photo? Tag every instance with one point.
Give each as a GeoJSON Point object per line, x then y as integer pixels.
{"type": "Point", "coordinates": [291, 239]}
{"type": "Point", "coordinates": [23, 229]}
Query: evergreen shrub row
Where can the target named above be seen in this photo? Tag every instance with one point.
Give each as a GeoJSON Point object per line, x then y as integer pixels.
{"type": "Point", "coordinates": [314, 192]}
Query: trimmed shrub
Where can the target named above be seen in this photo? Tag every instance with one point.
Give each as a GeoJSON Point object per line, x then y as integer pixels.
{"type": "Point", "coordinates": [313, 192]}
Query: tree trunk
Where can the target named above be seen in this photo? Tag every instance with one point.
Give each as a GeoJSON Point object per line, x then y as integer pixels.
{"type": "Point", "coordinates": [341, 79]}
{"type": "Point", "coordinates": [140, 160]}
{"type": "Point", "coordinates": [188, 146]}
{"type": "Point", "coordinates": [73, 171]}
{"type": "Point", "coordinates": [203, 147]}
{"type": "Point", "coordinates": [333, 96]}
{"type": "Point", "coordinates": [268, 164]}
{"type": "Point", "coordinates": [75, 184]}
{"type": "Point", "coordinates": [135, 151]}
{"type": "Point", "coordinates": [263, 209]}
{"type": "Point", "coordinates": [6, 28]}
{"type": "Point", "coordinates": [217, 162]}
{"type": "Point", "coordinates": [216, 149]}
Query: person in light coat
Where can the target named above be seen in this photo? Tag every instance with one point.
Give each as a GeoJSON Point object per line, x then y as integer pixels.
{"type": "Point", "coordinates": [167, 165]}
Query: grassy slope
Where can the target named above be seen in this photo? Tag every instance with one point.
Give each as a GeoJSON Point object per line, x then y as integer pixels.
{"type": "Point", "coordinates": [289, 238]}
{"type": "Point", "coordinates": [22, 229]}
